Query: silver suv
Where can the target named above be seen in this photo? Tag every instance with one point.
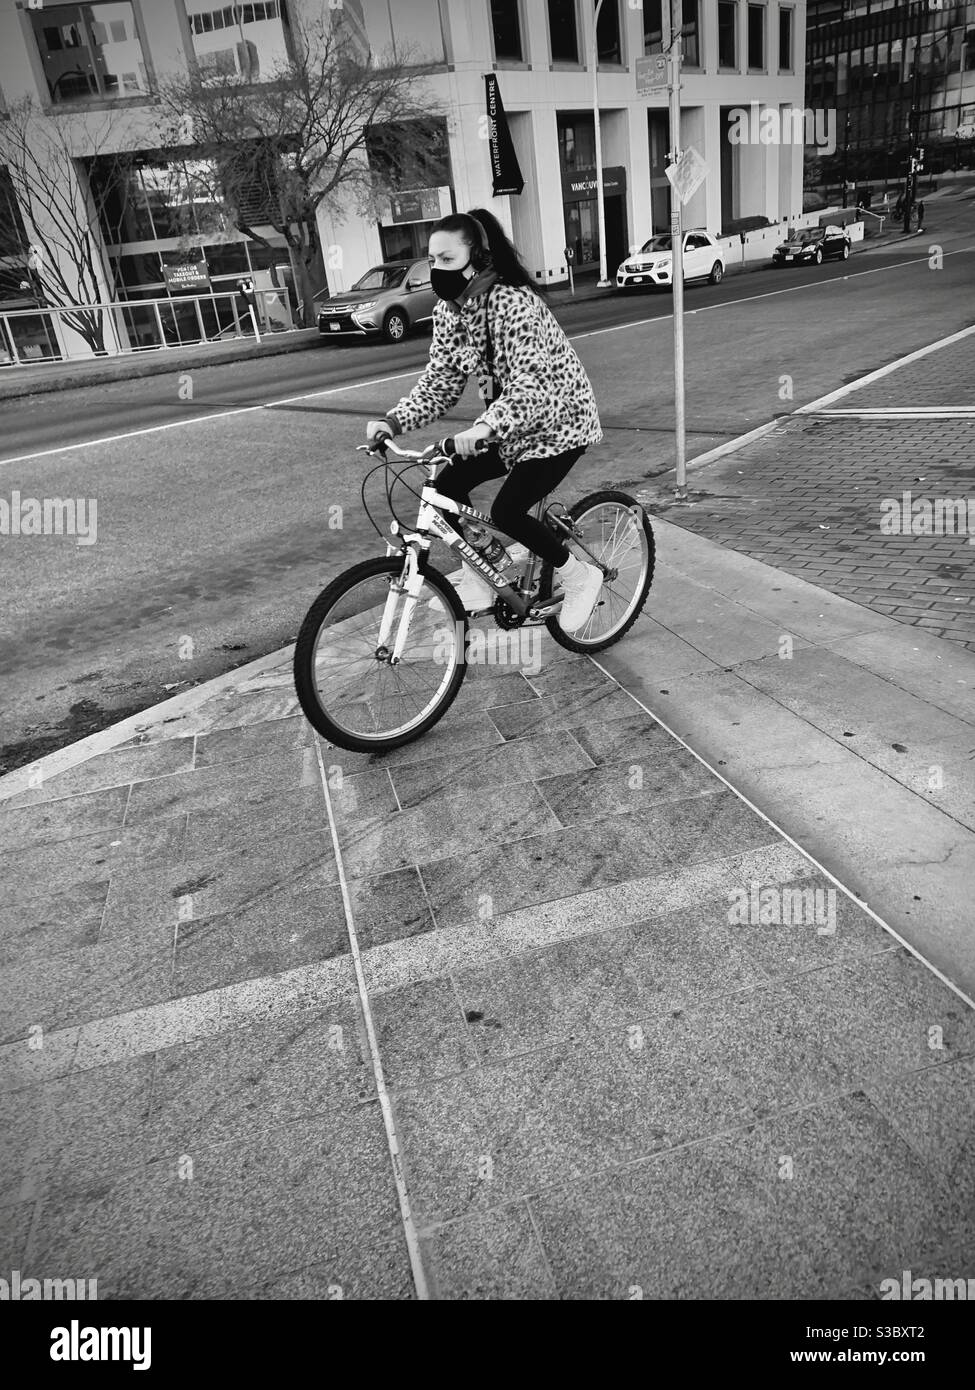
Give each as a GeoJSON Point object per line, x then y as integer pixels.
{"type": "Point", "coordinates": [388, 301]}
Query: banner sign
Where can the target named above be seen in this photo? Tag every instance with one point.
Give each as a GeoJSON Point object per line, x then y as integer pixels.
{"type": "Point", "coordinates": [504, 162]}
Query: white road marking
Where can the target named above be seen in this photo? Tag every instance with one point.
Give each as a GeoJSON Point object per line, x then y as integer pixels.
{"type": "Point", "coordinates": [925, 412]}
{"type": "Point", "coordinates": [202, 419]}
{"type": "Point", "coordinates": [769, 294]}
{"type": "Point", "coordinates": [401, 376]}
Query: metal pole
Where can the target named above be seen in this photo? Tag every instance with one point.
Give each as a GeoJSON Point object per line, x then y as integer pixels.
{"type": "Point", "coordinates": [600, 210]}
{"type": "Point", "coordinates": [910, 192]}
{"type": "Point", "coordinates": [677, 249]}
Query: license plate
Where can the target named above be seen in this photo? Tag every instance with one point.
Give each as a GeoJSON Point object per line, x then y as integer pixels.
{"type": "Point", "coordinates": [638, 279]}
{"type": "Point", "coordinates": [335, 327]}
{"type": "Point", "coordinates": [788, 255]}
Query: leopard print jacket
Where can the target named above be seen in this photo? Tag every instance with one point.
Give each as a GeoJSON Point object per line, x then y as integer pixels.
{"type": "Point", "coordinates": [546, 403]}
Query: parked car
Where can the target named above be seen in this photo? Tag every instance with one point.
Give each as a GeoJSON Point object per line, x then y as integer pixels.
{"type": "Point", "coordinates": [653, 263]}
{"type": "Point", "coordinates": [814, 245]}
{"type": "Point", "coordinates": [387, 302]}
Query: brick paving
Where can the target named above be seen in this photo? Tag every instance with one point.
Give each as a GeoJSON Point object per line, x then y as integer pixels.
{"type": "Point", "coordinates": [808, 497]}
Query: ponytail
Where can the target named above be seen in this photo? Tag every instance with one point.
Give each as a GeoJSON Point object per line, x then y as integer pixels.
{"type": "Point", "coordinates": [499, 253]}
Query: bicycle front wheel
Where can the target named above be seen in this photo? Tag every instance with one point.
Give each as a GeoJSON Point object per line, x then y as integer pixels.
{"type": "Point", "coordinates": [616, 530]}
{"type": "Point", "coordinates": [349, 687]}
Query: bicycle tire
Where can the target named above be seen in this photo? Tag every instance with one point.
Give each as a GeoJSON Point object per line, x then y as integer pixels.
{"type": "Point", "coordinates": [304, 657]}
{"type": "Point", "coordinates": [545, 590]}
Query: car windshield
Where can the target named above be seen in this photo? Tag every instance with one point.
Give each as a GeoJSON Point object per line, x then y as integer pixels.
{"type": "Point", "coordinates": [657, 243]}
{"type": "Point", "coordinates": [810, 234]}
{"type": "Point", "coordinates": [381, 277]}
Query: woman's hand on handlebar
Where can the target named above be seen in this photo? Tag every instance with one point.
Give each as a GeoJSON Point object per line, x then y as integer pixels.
{"type": "Point", "coordinates": [466, 444]}
{"type": "Point", "coordinates": [376, 429]}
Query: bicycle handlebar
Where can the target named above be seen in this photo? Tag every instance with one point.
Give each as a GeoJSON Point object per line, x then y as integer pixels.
{"type": "Point", "coordinates": [445, 447]}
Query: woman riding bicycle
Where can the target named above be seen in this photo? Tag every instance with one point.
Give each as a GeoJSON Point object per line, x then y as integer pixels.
{"type": "Point", "coordinates": [541, 408]}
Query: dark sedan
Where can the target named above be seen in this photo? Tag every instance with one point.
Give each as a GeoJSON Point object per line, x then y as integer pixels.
{"type": "Point", "coordinates": [815, 245]}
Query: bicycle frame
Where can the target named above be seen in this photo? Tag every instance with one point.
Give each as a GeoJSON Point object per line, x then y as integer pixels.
{"type": "Point", "coordinates": [431, 521]}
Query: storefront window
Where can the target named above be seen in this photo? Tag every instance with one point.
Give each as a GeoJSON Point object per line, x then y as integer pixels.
{"type": "Point", "coordinates": [248, 41]}
{"type": "Point", "coordinates": [577, 142]}
{"type": "Point", "coordinates": [90, 52]}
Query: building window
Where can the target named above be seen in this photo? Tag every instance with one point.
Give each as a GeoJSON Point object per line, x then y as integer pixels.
{"type": "Point", "coordinates": [785, 40]}
{"type": "Point", "coordinates": [653, 27]}
{"type": "Point", "coordinates": [690, 42]}
{"type": "Point", "coordinates": [577, 142]}
{"type": "Point", "coordinates": [248, 41]}
{"type": "Point", "coordinates": [727, 33]}
{"type": "Point", "coordinates": [563, 31]}
{"type": "Point", "coordinates": [415, 29]}
{"type": "Point", "coordinates": [506, 23]}
{"type": "Point", "coordinates": [407, 155]}
{"type": "Point", "coordinates": [90, 52]}
{"type": "Point", "coordinates": [609, 44]}
{"type": "Point", "coordinates": [756, 37]}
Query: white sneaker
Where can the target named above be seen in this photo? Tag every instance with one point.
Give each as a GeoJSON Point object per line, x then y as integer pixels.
{"type": "Point", "coordinates": [581, 584]}
{"type": "Point", "coordinates": [475, 594]}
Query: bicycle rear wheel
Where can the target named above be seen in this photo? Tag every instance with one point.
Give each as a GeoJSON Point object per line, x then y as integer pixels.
{"type": "Point", "coordinates": [348, 689]}
{"type": "Point", "coordinates": [617, 530]}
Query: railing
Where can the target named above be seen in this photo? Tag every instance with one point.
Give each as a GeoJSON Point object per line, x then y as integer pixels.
{"type": "Point", "coordinates": [31, 337]}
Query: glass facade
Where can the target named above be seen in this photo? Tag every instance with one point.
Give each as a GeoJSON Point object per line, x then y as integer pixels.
{"type": "Point", "coordinates": [756, 38]}
{"type": "Point", "coordinates": [89, 52]}
{"type": "Point", "coordinates": [653, 27]}
{"type": "Point", "coordinates": [247, 41]}
{"type": "Point", "coordinates": [873, 62]}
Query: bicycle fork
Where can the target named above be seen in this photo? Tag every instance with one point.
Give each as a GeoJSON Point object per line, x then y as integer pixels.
{"type": "Point", "coordinates": [410, 586]}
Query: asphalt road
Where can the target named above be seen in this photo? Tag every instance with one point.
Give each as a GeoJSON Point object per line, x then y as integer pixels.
{"type": "Point", "coordinates": [219, 518]}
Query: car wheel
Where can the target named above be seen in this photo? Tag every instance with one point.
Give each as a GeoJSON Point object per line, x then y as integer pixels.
{"type": "Point", "coordinates": [819, 255]}
{"type": "Point", "coordinates": [846, 251]}
{"type": "Point", "coordinates": [395, 326]}
{"type": "Point", "coordinates": [717, 274]}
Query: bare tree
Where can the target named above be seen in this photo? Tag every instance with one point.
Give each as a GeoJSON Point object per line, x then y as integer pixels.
{"type": "Point", "coordinates": [61, 215]}
{"type": "Point", "coordinates": [282, 148]}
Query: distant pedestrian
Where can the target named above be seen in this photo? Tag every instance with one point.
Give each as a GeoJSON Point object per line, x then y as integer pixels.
{"type": "Point", "coordinates": [899, 205]}
{"type": "Point", "coordinates": [920, 217]}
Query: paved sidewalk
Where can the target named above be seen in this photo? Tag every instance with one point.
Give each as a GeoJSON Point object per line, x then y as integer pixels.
{"type": "Point", "coordinates": [601, 1087]}
{"type": "Point", "coordinates": [809, 496]}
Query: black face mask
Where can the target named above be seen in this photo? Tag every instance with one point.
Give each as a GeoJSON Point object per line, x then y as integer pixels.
{"type": "Point", "coordinates": [449, 284]}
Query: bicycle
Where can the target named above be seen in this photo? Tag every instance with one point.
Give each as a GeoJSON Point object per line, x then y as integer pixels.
{"type": "Point", "coordinates": [381, 654]}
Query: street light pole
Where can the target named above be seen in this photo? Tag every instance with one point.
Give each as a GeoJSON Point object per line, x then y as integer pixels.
{"type": "Point", "coordinates": [910, 192]}
{"type": "Point", "coordinates": [600, 209]}
{"type": "Point", "coordinates": [676, 25]}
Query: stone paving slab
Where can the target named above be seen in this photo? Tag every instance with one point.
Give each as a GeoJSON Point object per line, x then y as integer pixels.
{"type": "Point", "coordinates": [596, 1068]}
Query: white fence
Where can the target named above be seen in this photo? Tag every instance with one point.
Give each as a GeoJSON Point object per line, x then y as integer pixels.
{"type": "Point", "coordinates": [30, 337]}
{"type": "Point", "coordinates": [758, 245]}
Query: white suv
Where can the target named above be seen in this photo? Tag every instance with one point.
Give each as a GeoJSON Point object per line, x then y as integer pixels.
{"type": "Point", "coordinates": [653, 263]}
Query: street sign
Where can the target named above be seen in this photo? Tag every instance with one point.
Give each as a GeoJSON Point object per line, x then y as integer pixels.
{"type": "Point", "coordinates": [652, 75]}
{"type": "Point", "coordinates": [687, 175]}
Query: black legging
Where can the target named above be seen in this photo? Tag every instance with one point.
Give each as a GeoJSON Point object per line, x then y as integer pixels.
{"type": "Point", "coordinates": [528, 482]}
